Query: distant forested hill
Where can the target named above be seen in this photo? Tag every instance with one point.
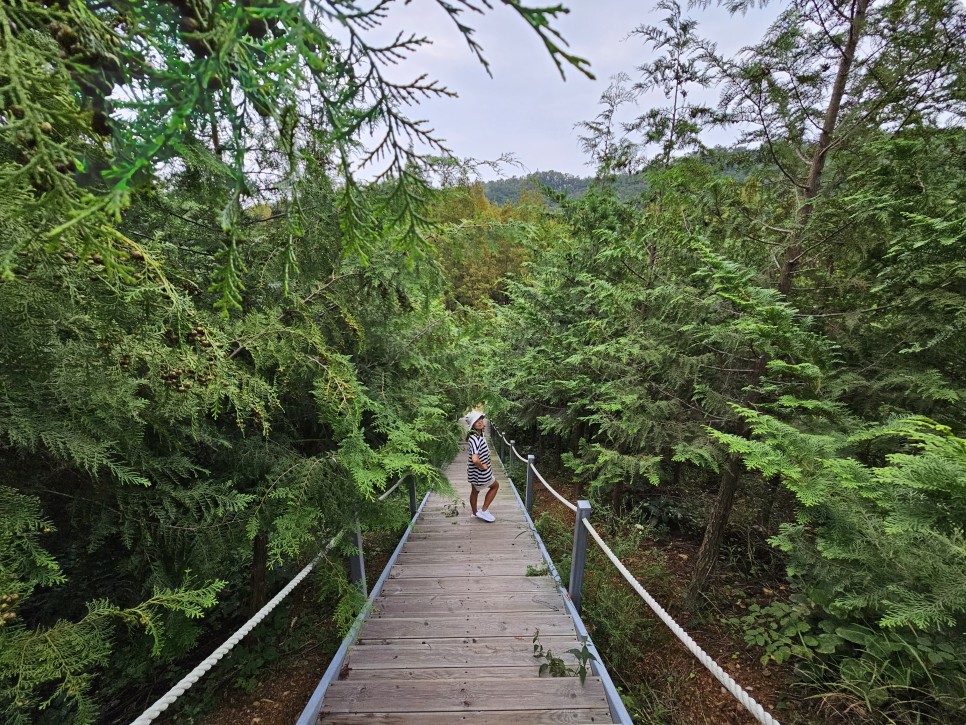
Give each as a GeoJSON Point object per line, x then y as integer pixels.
{"type": "Point", "coordinates": [504, 190]}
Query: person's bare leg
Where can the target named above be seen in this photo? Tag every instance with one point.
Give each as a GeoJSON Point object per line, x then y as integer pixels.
{"type": "Point", "coordinates": [490, 495]}
{"type": "Point", "coordinates": [474, 494]}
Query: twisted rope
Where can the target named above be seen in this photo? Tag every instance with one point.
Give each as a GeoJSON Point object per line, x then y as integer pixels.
{"type": "Point", "coordinates": [198, 672]}
{"type": "Point", "coordinates": [713, 667]}
{"type": "Point", "coordinates": [560, 498]}
{"type": "Point", "coordinates": [543, 480]}
{"type": "Point", "coordinates": [394, 487]}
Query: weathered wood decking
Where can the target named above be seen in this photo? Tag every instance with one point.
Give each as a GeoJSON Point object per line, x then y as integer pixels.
{"type": "Point", "coordinates": [449, 639]}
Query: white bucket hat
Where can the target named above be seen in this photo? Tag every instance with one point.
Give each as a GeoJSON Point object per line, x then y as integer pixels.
{"type": "Point", "coordinates": [469, 420]}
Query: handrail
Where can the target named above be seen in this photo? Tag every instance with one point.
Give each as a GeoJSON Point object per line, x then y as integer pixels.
{"type": "Point", "coordinates": [713, 667]}
{"type": "Point", "coordinates": [617, 707]}
{"type": "Point", "coordinates": [394, 487]}
{"type": "Point", "coordinates": [550, 488]}
{"type": "Point", "coordinates": [723, 677]}
{"type": "Point", "coordinates": [166, 700]}
{"type": "Point", "coordinates": [512, 448]}
{"type": "Point", "coordinates": [536, 473]}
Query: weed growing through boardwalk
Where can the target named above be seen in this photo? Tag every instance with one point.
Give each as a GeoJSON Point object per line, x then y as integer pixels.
{"type": "Point", "coordinates": [556, 667]}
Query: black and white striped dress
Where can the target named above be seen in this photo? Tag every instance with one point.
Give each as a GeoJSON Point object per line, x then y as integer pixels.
{"type": "Point", "coordinates": [479, 478]}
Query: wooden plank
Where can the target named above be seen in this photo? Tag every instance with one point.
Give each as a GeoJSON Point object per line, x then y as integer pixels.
{"type": "Point", "coordinates": [501, 624]}
{"type": "Point", "coordinates": [464, 695]}
{"type": "Point", "coordinates": [472, 532]}
{"type": "Point", "coordinates": [456, 557]}
{"type": "Point", "coordinates": [428, 544]}
{"type": "Point", "coordinates": [468, 545]}
{"type": "Point", "coordinates": [482, 656]}
{"type": "Point", "coordinates": [466, 518]}
{"type": "Point", "coordinates": [472, 569]}
{"type": "Point", "coordinates": [527, 639]}
{"type": "Point", "coordinates": [469, 585]}
{"type": "Point", "coordinates": [446, 509]}
{"type": "Point", "coordinates": [443, 603]}
{"type": "Point", "coordinates": [506, 717]}
{"type": "Point", "coordinates": [504, 515]}
{"type": "Point", "coordinates": [504, 528]}
{"type": "Point", "coordinates": [462, 509]}
{"type": "Point", "coordinates": [503, 520]}
{"type": "Point", "coordinates": [496, 671]}
{"type": "Point", "coordinates": [510, 510]}
{"type": "Point", "coordinates": [553, 642]}
{"type": "Point", "coordinates": [479, 538]}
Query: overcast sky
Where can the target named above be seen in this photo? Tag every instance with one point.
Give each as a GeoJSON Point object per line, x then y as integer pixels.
{"type": "Point", "coordinates": [526, 108]}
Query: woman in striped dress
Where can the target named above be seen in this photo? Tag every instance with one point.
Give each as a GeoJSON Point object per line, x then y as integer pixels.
{"type": "Point", "coordinates": [479, 472]}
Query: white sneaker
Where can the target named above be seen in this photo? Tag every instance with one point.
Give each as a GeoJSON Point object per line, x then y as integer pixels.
{"type": "Point", "coordinates": [485, 515]}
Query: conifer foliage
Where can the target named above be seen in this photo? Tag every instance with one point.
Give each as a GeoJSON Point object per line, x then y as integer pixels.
{"type": "Point", "coordinates": [219, 346]}
{"type": "Point", "coordinates": [764, 346]}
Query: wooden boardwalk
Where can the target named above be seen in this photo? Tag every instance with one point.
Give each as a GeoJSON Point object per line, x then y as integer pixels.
{"type": "Point", "coordinates": [449, 639]}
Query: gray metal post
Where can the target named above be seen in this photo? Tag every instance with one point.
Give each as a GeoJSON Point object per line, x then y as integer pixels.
{"type": "Point", "coordinates": [529, 497]}
{"type": "Point", "coordinates": [412, 495]}
{"type": "Point", "coordinates": [578, 557]}
{"type": "Point", "coordinates": [511, 459]}
{"type": "Point", "coordinates": [357, 562]}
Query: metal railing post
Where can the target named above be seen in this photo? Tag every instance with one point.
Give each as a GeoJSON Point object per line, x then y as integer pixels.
{"type": "Point", "coordinates": [528, 500]}
{"type": "Point", "coordinates": [509, 468]}
{"type": "Point", "coordinates": [412, 495]}
{"type": "Point", "coordinates": [357, 562]}
{"type": "Point", "coordinates": [578, 556]}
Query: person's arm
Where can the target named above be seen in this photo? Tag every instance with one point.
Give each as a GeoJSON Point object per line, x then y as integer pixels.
{"type": "Point", "coordinates": [475, 457]}
{"type": "Point", "coordinates": [478, 463]}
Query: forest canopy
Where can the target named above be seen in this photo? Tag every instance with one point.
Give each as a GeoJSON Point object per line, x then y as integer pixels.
{"type": "Point", "coordinates": [221, 346]}
{"type": "Point", "coordinates": [764, 347]}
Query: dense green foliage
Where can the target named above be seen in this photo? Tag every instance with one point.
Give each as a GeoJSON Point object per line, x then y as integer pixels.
{"type": "Point", "coordinates": [766, 344]}
{"type": "Point", "coordinates": [219, 347]}
{"type": "Point", "coordinates": [160, 438]}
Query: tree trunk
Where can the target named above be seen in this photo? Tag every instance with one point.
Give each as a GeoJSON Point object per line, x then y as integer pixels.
{"type": "Point", "coordinates": [676, 467]}
{"type": "Point", "coordinates": [771, 495]}
{"type": "Point", "coordinates": [714, 531]}
{"type": "Point", "coordinates": [793, 254]}
{"type": "Point", "coordinates": [792, 259]}
{"type": "Point", "coordinates": [258, 583]}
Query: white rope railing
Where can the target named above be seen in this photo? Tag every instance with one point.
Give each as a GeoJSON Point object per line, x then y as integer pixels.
{"type": "Point", "coordinates": [510, 446]}
{"type": "Point", "coordinates": [198, 672]}
{"type": "Point", "coordinates": [536, 473]}
{"type": "Point", "coordinates": [394, 487]}
{"type": "Point", "coordinates": [703, 657]}
{"type": "Point", "coordinates": [550, 488]}
{"type": "Point", "coordinates": [713, 667]}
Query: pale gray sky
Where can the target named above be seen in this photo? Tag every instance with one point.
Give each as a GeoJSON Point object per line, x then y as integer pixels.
{"type": "Point", "coordinates": [526, 109]}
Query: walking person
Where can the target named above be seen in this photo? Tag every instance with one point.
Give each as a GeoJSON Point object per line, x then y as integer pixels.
{"type": "Point", "coordinates": [479, 472]}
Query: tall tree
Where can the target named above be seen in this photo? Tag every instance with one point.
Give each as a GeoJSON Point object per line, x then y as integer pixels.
{"type": "Point", "coordinates": [828, 75]}
{"type": "Point", "coordinates": [219, 346]}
